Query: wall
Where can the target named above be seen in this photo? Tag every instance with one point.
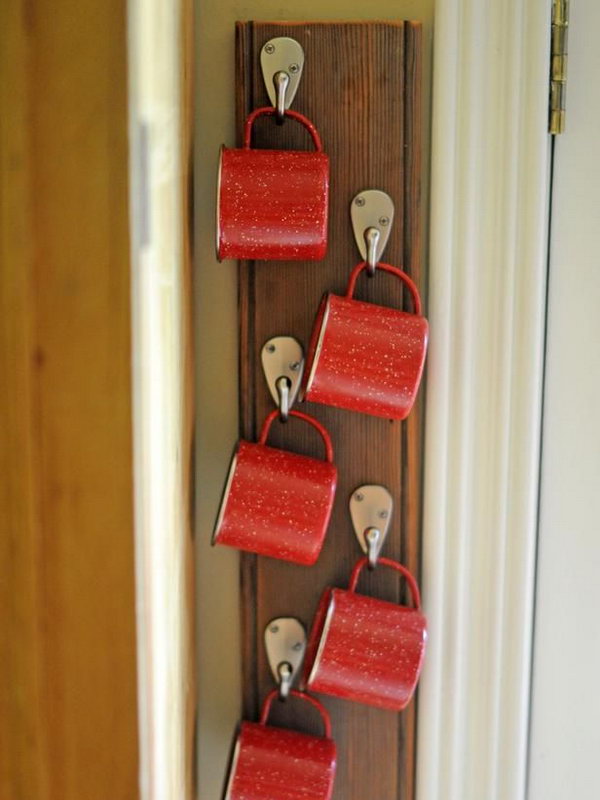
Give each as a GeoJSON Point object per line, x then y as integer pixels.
{"type": "Point", "coordinates": [565, 736]}
{"type": "Point", "coordinates": [216, 348]}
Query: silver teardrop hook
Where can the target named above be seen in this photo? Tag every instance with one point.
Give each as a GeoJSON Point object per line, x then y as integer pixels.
{"type": "Point", "coordinates": [372, 215]}
{"type": "Point", "coordinates": [282, 62]}
{"type": "Point", "coordinates": [283, 364]}
{"type": "Point", "coordinates": [371, 509]}
{"type": "Point", "coordinates": [285, 644]}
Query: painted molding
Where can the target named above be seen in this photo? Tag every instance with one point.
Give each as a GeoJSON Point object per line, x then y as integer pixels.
{"type": "Point", "coordinates": [160, 144]}
{"type": "Point", "coordinates": [487, 285]}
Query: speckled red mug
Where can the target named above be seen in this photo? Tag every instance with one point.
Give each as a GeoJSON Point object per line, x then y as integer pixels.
{"type": "Point", "coordinates": [272, 763]}
{"type": "Point", "coordinates": [272, 204]}
{"type": "Point", "coordinates": [366, 357]}
{"type": "Point", "coordinates": [278, 503]}
{"type": "Point", "coordinates": [364, 649]}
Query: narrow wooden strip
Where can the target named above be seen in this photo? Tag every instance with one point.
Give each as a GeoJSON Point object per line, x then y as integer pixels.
{"type": "Point", "coordinates": [356, 91]}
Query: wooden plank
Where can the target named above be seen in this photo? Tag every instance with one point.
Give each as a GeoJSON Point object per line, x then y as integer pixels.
{"type": "Point", "coordinates": [362, 88]}
{"type": "Point", "coordinates": [68, 710]}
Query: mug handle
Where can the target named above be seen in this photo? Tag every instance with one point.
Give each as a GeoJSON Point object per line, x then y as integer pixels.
{"type": "Point", "coordinates": [264, 714]}
{"type": "Point", "coordinates": [268, 111]}
{"type": "Point", "coordinates": [412, 287]}
{"type": "Point", "coordinates": [387, 562]}
{"type": "Point", "coordinates": [264, 432]}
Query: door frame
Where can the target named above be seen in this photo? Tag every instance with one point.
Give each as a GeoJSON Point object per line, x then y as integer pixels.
{"type": "Point", "coordinates": [487, 308]}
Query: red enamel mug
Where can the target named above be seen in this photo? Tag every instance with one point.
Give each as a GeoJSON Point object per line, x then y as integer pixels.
{"type": "Point", "coordinates": [365, 357]}
{"type": "Point", "coordinates": [278, 503]}
{"type": "Point", "coordinates": [272, 763]}
{"type": "Point", "coordinates": [364, 649]}
{"type": "Point", "coordinates": [272, 204]}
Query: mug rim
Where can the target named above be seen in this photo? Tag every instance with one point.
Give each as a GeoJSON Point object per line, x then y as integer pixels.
{"type": "Point", "coordinates": [225, 495]}
{"type": "Point", "coordinates": [323, 313]}
{"type": "Point", "coordinates": [218, 207]}
{"type": "Point", "coordinates": [233, 761]}
{"type": "Point", "coordinates": [324, 624]}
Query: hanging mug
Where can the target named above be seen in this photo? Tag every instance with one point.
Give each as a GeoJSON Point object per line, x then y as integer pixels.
{"type": "Point", "coordinates": [272, 204]}
{"type": "Point", "coordinates": [270, 762]}
{"type": "Point", "coordinates": [277, 503]}
{"type": "Point", "coordinates": [366, 357]}
{"type": "Point", "coordinates": [364, 649]}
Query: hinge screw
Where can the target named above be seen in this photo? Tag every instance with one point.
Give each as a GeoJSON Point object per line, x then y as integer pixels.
{"type": "Point", "coordinates": [359, 497]}
{"type": "Point", "coordinates": [269, 48]}
{"type": "Point", "coordinates": [294, 68]}
{"type": "Point", "coordinates": [271, 348]}
{"type": "Point", "coordinates": [384, 220]}
{"type": "Point", "coordinates": [360, 201]}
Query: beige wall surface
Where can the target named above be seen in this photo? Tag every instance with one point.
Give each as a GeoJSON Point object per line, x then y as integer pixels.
{"type": "Point", "coordinates": [219, 689]}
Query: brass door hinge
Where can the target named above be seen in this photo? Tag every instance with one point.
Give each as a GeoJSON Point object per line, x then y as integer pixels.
{"type": "Point", "coordinates": [558, 65]}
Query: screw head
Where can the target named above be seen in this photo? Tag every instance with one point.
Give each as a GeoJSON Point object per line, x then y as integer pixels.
{"type": "Point", "coordinates": [271, 348]}
{"type": "Point", "coordinates": [359, 497]}
{"type": "Point", "coordinates": [274, 629]}
{"type": "Point", "coordinates": [295, 366]}
{"type": "Point", "coordinates": [384, 221]}
{"type": "Point", "coordinates": [294, 68]}
{"type": "Point", "coordinates": [297, 647]}
{"type": "Point", "coordinates": [269, 48]}
{"type": "Point", "coordinates": [383, 514]}
{"type": "Point", "coordinates": [360, 201]}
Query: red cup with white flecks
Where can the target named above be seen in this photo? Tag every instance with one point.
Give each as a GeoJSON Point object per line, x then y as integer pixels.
{"type": "Point", "coordinates": [270, 762]}
{"type": "Point", "coordinates": [364, 649]}
{"type": "Point", "coordinates": [366, 357]}
{"type": "Point", "coordinates": [277, 503]}
{"type": "Point", "coordinates": [272, 205]}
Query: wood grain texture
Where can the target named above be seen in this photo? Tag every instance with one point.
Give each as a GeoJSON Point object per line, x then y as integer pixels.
{"type": "Point", "coordinates": [68, 711]}
{"type": "Point", "coordinates": [362, 88]}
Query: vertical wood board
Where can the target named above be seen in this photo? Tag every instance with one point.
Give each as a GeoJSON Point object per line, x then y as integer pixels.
{"type": "Point", "coordinates": [362, 88]}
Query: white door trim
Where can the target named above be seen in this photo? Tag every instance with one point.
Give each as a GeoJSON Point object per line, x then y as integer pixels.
{"type": "Point", "coordinates": [487, 298]}
{"type": "Point", "coordinates": [159, 50]}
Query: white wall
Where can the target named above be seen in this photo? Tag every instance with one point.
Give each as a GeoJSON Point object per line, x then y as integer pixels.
{"type": "Point", "coordinates": [216, 343]}
{"type": "Point", "coordinates": [565, 738]}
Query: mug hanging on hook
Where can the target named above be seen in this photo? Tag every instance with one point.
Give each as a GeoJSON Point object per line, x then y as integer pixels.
{"type": "Point", "coordinates": [278, 503]}
{"type": "Point", "coordinates": [273, 205]}
{"type": "Point", "coordinates": [366, 357]}
{"type": "Point", "coordinates": [364, 649]}
{"type": "Point", "coordinates": [270, 762]}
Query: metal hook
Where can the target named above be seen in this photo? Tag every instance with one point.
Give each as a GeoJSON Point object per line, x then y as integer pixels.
{"type": "Point", "coordinates": [285, 643]}
{"type": "Point", "coordinates": [371, 511]}
{"type": "Point", "coordinates": [286, 674]}
{"type": "Point", "coordinates": [282, 62]}
{"type": "Point", "coordinates": [372, 237]}
{"type": "Point", "coordinates": [283, 364]}
{"type": "Point", "coordinates": [372, 215]}
{"type": "Point", "coordinates": [281, 80]}
{"type": "Point", "coordinates": [283, 385]}
{"type": "Point", "coordinates": [372, 538]}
